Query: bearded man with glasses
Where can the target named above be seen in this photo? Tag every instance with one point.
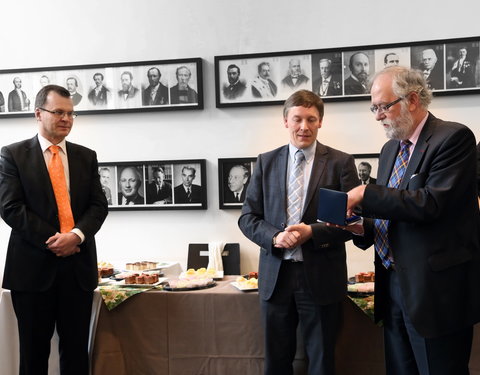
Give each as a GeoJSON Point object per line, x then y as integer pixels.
{"type": "Point", "coordinates": [425, 232]}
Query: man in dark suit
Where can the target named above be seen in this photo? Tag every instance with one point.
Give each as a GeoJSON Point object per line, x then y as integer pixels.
{"type": "Point", "coordinates": [432, 71]}
{"type": "Point", "coordinates": [99, 95]}
{"type": "Point", "coordinates": [328, 84]}
{"type": "Point", "coordinates": [72, 86]}
{"type": "Point", "coordinates": [359, 67]}
{"type": "Point", "coordinates": [129, 183]}
{"type": "Point", "coordinates": [236, 86]}
{"type": "Point", "coordinates": [188, 192]}
{"type": "Point", "coordinates": [302, 267]}
{"type": "Point", "coordinates": [17, 98]}
{"type": "Point", "coordinates": [156, 93]}
{"type": "Point", "coordinates": [159, 191]}
{"type": "Point", "coordinates": [295, 79]}
{"type": "Point", "coordinates": [365, 172]}
{"type": "Point", "coordinates": [262, 85]}
{"type": "Point", "coordinates": [182, 93]}
{"type": "Point", "coordinates": [51, 267]}
{"type": "Point", "coordinates": [427, 254]}
{"type": "Point", "coordinates": [237, 184]}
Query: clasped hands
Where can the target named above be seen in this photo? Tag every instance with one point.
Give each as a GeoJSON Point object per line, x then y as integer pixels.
{"type": "Point", "coordinates": [64, 244]}
{"type": "Point", "coordinates": [293, 236]}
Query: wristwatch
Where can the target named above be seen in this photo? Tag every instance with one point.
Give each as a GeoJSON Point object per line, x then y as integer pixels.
{"type": "Point", "coordinates": [274, 239]}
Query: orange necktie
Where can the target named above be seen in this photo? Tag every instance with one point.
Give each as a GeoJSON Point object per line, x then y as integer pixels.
{"type": "Point", "coordinates": [59, 184]}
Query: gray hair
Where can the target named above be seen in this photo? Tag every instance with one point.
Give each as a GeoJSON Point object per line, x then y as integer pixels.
{"type": "Point", "coordinates": [405, 81]}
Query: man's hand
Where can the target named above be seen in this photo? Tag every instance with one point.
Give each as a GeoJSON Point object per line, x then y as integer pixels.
{"type": "Point", "coordinates": [64, 244]}
{"type": "Point", "coordinates": [287, 240]}
{"type": "Point", "coordinates": [303, 230]}
{"type": "Point", "coordinates": [355, 197]}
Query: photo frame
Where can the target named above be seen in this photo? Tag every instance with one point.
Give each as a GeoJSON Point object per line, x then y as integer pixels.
{"type": "Point", "coordinates": [155, 185]}
{"type": "Point", "coordinates": [233, 178]}
{"type": "Point", "coordinates": [367, 167]}
{"type": "Point", "coordinates": [451, 66]}
{"type": "Point", "coordinates": [141, 86]}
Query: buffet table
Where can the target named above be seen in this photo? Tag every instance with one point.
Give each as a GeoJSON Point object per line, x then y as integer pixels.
{"type": "Point", "coordinates": [217, 331]}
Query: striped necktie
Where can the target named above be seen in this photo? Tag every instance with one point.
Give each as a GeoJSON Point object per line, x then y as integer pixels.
{"type": "Point", "coordinates": [382, 246]}
{"type": "Point", "coordinates": [295, 197]}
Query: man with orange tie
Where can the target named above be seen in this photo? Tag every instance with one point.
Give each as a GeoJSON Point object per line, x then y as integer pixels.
{"type": "Point", "coordinates": [51, 197]}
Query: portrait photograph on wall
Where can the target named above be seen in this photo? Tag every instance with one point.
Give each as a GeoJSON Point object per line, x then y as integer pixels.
{"type": "Point", "coordinates": [108, 88]}
{"type": "Point", "coordinates": [154, 185]}
{"type": "Point", "coordinates": [367, 167]}
{"type": "Point", "coordinates": [451, 66]}
{"type": "Point", "coordinates": [233, 178]}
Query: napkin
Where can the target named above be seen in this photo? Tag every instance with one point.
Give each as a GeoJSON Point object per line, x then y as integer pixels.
{"type": "Point", "coordinates": [215, 250]}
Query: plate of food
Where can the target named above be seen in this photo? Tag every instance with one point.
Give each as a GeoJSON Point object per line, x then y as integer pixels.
{"type": "Point", "coordinates": [361, 285]}
{"type": "Point", "coordinates": [125, 274]}
{"type": "Point", "coordinates": [245, 284]}
{"type": "Point", "coordinates": [145, 285]}
{"type": "Point", "coordinates": [201, 273]}
{"type": "Point", "coordinates": [182, 285]}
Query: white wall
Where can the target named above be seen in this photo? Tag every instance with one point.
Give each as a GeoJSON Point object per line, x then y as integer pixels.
{"type": "Point", "coordinates": [57, 33]}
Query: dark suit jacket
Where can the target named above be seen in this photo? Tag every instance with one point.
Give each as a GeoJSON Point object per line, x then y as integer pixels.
{"type": "Point", "coordinates": [354, 87]}
{"type": "Point", "coordinates": [165, 193]}
{"type": "Point", "coordinates": [235, 90]}
{"type": "Point", "coordinates": [161, 96]}
{"type": "Point", "coordinates": [101, 98]}
{"type": "Point", "coordinates": [180, 195]}
{"type": "Point", "coordinates": [14, 103]}
{"type": "Point", "coordinates": [301, 81]}
{"type": "Point", "coordinates": [183, 96]}
{"type": "Point", "coordinates": [478, 168]}
{"type": "Point", "coordinates": [28, 206]}
{"type": "Point", "coordinates": [137, 200]}
{"type": "Point", "coordinates": [76, 98]}
{"type": "Point", "coordinates": [334, 86]}
{"type": "Point", "coordinates": [264, 214]}
{"type": "Point", "coordinates": [435, 80]}
{"type": "Point", "coordinates": [434, 229]}
{"type": "Point", "coordinates": [230, 196]}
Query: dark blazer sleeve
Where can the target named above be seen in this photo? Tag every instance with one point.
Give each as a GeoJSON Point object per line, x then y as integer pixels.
{"type": "Point", "coordinates": [478, 168]}
{"type": "Point", "coordinates": [14, 209]}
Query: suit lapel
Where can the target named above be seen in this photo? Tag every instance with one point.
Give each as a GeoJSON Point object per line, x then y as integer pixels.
{"type": "Point", "coordinates": [38, 164]}
{"type": "Point", "coordinates": [419, 151]}
{"type": "Point", "coordinates": [74, 177]}
{"type": "Point", "coordinates": [318, 167]}
{"type": "Point", "coordinates": [281, 165]}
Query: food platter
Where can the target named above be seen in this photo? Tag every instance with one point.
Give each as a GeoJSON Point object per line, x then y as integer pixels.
{"type": "Point", "coordinates": [242, 287]}
{"type": "Point", "coordinates": [160, 281]}
{"type": "Point", "coordinates": [187, 289]}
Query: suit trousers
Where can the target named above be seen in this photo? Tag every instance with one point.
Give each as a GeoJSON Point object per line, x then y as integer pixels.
{"type": "Point", "coordinates": [64, 306]}
{"type": "Point", "coordinates": [291, 304]}
{"type": "Point", "coordinates": [408, 353]}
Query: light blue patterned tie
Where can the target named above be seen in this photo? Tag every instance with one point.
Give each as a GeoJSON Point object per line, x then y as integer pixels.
{"type": "Point", "coordinates": [382, 246]}
{"type": "Point", "coordinates": [295, 197]}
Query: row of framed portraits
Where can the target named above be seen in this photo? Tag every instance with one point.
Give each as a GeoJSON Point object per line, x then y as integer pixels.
{"type": "Point", "coordinates": [102, 88]}
{"type": "Point", "coordinates": [450, 66]}
{"type": "Point", "coordinates": [182, 184]}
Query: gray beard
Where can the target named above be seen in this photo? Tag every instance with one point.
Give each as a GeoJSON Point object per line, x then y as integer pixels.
{"type": "Point", "coordinates": [402, 128]}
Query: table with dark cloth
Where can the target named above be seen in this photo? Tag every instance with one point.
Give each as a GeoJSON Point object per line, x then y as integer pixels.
{"type": "Point", "coordinates": [217, 331]}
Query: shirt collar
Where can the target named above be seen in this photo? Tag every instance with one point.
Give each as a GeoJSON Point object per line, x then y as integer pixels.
{"type": "Point", "coordinates": [309, 152]}
{"type": "Point", "coordinates": [45, 144]}
{"type": "Point", "coordinates": [414, 137]}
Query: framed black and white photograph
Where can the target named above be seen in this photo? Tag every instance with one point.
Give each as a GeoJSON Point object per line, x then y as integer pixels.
{"type": "Point", "coordinates": [367, 167]}
{"type": "Point", "coordinates": [451, 67]}
{"type": "Point", "coordinates": [108, 88]}
{"type": "Point", "coordinates": [155, 185]}
{"type": "Point", "coordinates": [233, 178]}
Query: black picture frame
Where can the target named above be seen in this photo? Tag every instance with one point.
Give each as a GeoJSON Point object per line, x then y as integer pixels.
{"type": "Point", "coordinates": [124, 193]}
{"type": "Point", "coordinates": [240, 170]}
{"type": "Point", "coordinates": [111, 96]}
{"type": "Point", "coordinates": [443, 78]}
{"type": "Point", "coordinates": [362, 161]}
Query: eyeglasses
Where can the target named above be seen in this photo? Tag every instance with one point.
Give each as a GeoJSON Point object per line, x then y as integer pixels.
{"type": "Point", "coordinates": [60, 113]}
{"type": "Point", "coordinates": [383, 108]}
